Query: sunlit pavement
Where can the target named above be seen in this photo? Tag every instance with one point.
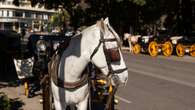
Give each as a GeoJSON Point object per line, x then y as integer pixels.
{"type": "Point", "coordinates": [17, 93]}
{"type": "Point", "coordinates": [158, 83]}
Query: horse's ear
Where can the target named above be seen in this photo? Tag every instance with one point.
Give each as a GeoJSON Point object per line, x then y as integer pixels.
{"type": "Point", "coordinates": [106, 21]}
{"type": "Point", "coordinates": [101, 25]}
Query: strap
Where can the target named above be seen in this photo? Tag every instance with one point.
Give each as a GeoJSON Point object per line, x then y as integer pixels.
{"type": "Point", "coordinates": [109, 40]}
{"type": "Point", "coordinates": [120, 70]}
{"type": "Point", "coordinates": [95, 50]}
{"type": "Point", "coordinates": [73, 85]}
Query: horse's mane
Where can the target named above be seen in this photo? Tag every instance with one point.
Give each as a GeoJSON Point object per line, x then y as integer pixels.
{"type": "Point", "coordinates": [101, 26]}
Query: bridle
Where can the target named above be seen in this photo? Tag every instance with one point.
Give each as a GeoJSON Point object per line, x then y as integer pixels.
{"type": "Point", "coordinates": [109, 52]}
{"type": "Point", "coordinates": [111, 55]}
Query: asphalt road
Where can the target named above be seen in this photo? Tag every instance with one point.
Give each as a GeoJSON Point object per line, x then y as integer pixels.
{"type": "Point", "coordinates": [162, 83]}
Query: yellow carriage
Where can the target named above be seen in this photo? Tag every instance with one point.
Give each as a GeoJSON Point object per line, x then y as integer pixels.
{"type": "Point", "coordinates": [186, 45]}
{"type": "Point", "coordinates": [161, 43]}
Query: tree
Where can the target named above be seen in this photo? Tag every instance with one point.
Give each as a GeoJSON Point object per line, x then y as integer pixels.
{"type": "Point", "coordinates": [123, 13]}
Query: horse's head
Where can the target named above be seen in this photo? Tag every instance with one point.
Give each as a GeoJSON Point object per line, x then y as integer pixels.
{"type": "Point", "coordinates": [106, 54]}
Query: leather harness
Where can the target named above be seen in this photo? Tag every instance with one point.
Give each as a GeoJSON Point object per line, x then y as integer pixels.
{"type": "Point", "coordinates": [55, 60]}
{"type": "Point", "coordinates": [53, 66]}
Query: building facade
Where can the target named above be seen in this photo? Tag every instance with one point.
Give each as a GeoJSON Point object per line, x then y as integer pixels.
{"type": "Point", "coordinates": [23, 16]}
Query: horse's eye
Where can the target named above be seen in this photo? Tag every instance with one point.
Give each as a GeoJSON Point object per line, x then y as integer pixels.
{"type": "Point", "coordinates": [114, 54]}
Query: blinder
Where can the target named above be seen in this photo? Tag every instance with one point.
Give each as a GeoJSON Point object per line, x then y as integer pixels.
{"type": "Point", "coordinates": [113, 54]}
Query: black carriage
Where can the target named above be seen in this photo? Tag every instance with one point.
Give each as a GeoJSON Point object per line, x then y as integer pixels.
{"type": "Point", "coordinates": [142, 44]}
{"type": "Point", "coordinates": [161, 42]}
{"type": "Point", "coordinates": [186, 45]}
{"type": "Point", "coordinates": [10, 42]}
{"type": "Point", "coordinates": [41, 46]}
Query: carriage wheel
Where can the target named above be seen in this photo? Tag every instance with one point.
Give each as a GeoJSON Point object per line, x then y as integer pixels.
{"type": "Point", "coordinates": [47, 96]}
{"type": "Point", "coordinates": [136, 49]}
{"type": "Point", "coordinates": [26, 88]}
{"type": "Point", "coordinates": [153, 48]}
{"type": "Point", "coordinates": [167, 49]}
{"type": "Point", "coordinates": [192, 50]}
{"type": "Point", "coordinates": [180, 50]}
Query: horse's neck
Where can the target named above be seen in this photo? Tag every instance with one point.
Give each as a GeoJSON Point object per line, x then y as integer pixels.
{"type": "Point", "coordinates": [73, 61]}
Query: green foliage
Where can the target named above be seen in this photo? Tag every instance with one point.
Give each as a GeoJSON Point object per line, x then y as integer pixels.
{"type": "Point", "coordinates": [137, 2]}
{"type": "Point", "coordinates": [9, 104]}
{"type": "Point", "coordinates": [5, 103]}
{"type": "Point", "coordinates": [124, 13]}
{"type": "Point", "coordinates": [59, 18]}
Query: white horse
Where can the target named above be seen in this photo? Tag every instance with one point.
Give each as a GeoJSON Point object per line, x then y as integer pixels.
{"type": "Point", "coordinates": [132, 39]}
{"type": "Point", "coordinates": [96, 45]}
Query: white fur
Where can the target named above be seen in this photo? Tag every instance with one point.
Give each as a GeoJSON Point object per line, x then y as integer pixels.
{"type": "Point", "coordinates": [75, 59]}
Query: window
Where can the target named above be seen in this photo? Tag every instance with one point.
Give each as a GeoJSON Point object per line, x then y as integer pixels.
{"type": "Point", "coordinates": [10, 13]}
{"type": "Point", "coordinates": [45, 17]}
{"type": "Point", "coordinates": [8, 26]}
{"type": "Point", "coordinates": [40, 16]}
{"type": "Point", "coordinates": [33, 15]}
{"type": "Point", "coordinates": [9, 2]}
{"type": "Point", "coordinates": [27, 14]}
{"type": "Point", "coordinates": [1, 13]}
{"type": "Point", "coordinates": [18, 14]}
{"type": "Point", "coordinates": [4, 13]}
{"type": "Point", "coordinates": [7, 13]}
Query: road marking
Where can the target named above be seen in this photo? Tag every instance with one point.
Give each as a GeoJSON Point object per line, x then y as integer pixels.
{"type": "Point", "coordinates": [163, 77]}
{"type": "Point", "coordinates": [123, 99]}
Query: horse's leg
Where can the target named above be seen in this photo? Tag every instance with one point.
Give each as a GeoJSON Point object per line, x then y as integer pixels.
{"type": "Point", "coordinates": [83, 105]}
{"type": "Point", "coordinates": [59, 104]}
{"type": "Point", "coordinates": [130, 46]}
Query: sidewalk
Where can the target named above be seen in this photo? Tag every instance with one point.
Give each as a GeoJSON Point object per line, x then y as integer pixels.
{"type": "Point", "coordinates": [17, 94]}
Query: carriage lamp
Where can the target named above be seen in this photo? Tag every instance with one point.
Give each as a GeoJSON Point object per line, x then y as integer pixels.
{"type": "Point", "coordinates": [174, 41]}
{"type": "Point", "coordinates": [69, 34]}
{"type": "Point", "coordinates": [145, 39]}
{"type": "Point", "coordinates": [41, 45]}
{"type": "Point", "coordinates": [187, 50]}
